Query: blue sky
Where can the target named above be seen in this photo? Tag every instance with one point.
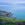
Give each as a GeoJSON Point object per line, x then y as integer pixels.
{"type": "Point", "coordinates": [14, 4]}
{"type": "Point", "coordinates": [8, 1]}
{"type": "Point", "coordinates": [13, 1]}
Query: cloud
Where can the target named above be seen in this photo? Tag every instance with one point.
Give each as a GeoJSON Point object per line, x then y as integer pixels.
{"type": "Point", "coordinates": [20, 1]}
{"type": "Point", "coordinates": [8, 1]}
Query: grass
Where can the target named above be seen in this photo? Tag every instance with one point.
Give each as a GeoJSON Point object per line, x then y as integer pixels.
{"type": "Point", "coordinates": [11, 20]}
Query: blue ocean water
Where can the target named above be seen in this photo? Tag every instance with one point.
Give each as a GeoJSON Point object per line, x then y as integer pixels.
{"type": "Point", "coordinates": [20, 15]}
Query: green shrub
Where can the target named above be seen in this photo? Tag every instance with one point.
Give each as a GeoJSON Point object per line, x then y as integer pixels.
{"type": "Point", "coordinates": [10, 21]}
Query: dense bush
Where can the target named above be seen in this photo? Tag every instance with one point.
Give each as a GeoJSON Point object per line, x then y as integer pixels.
{"type": "Point", "coordinates": [9, 21]}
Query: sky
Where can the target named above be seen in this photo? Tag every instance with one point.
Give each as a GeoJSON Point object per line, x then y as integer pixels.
{"type": "Point", "coordinates": [14, 4]}
{"type": "Point", "coordinates": [8, 1]}
{"type": "Point", "coordinates": [13, 1]}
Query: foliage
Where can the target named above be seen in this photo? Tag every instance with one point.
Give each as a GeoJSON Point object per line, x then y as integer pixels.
{"type": "Point", "coordinates": [10, 21]}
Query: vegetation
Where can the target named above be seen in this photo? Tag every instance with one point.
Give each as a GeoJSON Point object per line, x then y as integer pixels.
{"type": "Point", "coordinates": [7, 21]}
{"type": "Point", "coordinates": [10, 21]}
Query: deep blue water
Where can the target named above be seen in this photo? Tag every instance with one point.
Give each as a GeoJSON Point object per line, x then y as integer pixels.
{"type": "Point", "coordinates": [20, 15]}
